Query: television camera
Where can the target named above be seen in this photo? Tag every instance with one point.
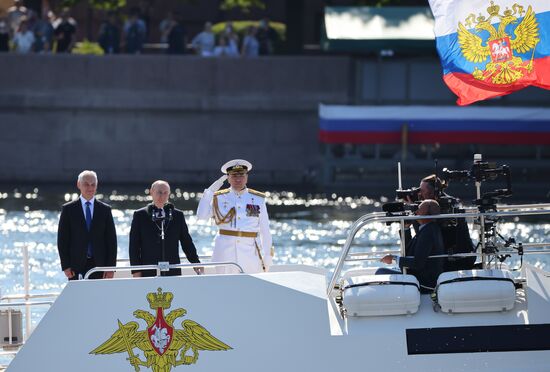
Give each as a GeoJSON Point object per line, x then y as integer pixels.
{"type": "Point", "coordinates": [482, 172]}
{"type": "Point", "coordinates": [487, 201]}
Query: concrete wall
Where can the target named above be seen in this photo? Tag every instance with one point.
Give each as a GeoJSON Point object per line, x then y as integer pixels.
{"type": "Point", "coordinates": [138, 118]}
{"type": "Point", "coordinates": [134, 119]}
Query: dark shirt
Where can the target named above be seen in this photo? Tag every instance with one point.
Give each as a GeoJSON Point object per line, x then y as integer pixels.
{"type": "Point", "coordinates": [427, 242]}
{"type": "Point", "coordinates": [4, 36]}
{"type": "Point", "coordinates": [135, 37]}
{"type": "Point", "coordinates": [64, 34]}
{"type": "Point", "coordinates": [109, 38]}
{"type": "Point", "coordinates": [44, 29]}
{"type": "Point", "coordinates": [4, 42]}
{"type": "Point", "coordinates": [267, 38]}
{"type": "Point", "coordinates": [39, 43]}
{"type": "Point", "coordinates": [176, 40]}
{"type": "Point", "coordinates": [456, 239]}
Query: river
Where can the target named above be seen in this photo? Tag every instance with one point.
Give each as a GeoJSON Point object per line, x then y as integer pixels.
{"type": "Point", "coordinates": [307, 229]}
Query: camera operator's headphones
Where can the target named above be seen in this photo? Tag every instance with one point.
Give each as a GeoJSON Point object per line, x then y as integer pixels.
{"type": "Point", "coordinates": [435, 182]}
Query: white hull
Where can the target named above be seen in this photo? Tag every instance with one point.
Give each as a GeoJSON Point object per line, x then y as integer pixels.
{"type": "Point", "coordinates": [278, 321]}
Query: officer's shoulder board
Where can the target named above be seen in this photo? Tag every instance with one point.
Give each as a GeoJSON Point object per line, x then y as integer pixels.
{"type": "Point", "coordinates": [221, 192]}
{"type": "Point", "coordinates": [257, 193]}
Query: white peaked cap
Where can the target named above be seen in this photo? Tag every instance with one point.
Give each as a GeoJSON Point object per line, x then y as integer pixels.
{"type": "Point", "coordinates": [236, 164]}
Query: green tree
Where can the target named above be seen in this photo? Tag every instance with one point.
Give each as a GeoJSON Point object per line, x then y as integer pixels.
{"type": "Point", "coordinates": [96, 4]}
{"type": "Point", "coordinates": [243, 5]}
{"type": "Point", "coordinates": [379, 3]}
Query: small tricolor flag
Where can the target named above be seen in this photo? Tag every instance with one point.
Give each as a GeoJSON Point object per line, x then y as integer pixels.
{"type": "Point", "coordinates": [492, 48]}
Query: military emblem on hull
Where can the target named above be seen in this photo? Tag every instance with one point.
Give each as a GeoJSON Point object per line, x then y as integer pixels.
{"type": "Point", "coordinates": [495, 47]}
{"type": "Point", "coordinates": [160, 342]}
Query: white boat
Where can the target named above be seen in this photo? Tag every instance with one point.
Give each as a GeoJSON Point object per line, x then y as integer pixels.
{"type": "Point", "coordinates": [296, 318]}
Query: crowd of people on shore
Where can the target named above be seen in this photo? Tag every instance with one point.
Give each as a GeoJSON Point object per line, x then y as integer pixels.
{"type": "Point", "coordinates": [22, 30]}
{"type": "Point", "coordinates": [256, 41]}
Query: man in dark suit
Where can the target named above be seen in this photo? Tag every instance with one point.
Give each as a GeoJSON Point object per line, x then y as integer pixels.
{"type": "Point", "coordinates": [427, 242]}
{"type": "Point", "coordinates": [86, 236]}
{"type": "Point", "coordinates": [148, 225]}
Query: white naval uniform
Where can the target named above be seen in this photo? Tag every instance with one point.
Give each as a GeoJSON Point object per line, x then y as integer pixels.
{"type": "Point", "coordinates": [250, 217]}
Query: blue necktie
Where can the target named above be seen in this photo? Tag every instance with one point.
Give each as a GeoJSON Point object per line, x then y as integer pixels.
{"type": "Point", "coordinates": [88, 226]}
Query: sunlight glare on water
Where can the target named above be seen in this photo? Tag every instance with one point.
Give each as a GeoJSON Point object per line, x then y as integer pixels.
{"type": "Point", "coordinates": [308, 230]}
{"type": "Point", "coordinates": [312, 234]}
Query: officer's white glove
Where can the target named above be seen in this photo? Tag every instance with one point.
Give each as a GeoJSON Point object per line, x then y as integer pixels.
{"type": "Point", "coordinates": [218, 183]}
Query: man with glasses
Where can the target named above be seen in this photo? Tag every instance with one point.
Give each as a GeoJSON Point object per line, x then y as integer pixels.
{"type": "Point", "coordinates": [241, 216]}
{"type": "Point", "coordinates": [427, 242]}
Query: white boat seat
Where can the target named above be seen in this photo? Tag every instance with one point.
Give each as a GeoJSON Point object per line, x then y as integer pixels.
{"type": "Point", "coordinates": [380, 295]}
{"type": "Point", "coordinates": [358, 272]}
{"type": "Point", "coordinates": [471, 291]}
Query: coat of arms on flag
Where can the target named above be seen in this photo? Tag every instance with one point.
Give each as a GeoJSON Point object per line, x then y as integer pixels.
{"type": "Point", "coordinates": [491, 49]}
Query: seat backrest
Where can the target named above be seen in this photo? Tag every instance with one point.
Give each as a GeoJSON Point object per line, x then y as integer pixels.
{"type": "Point", "coordinates": [470, 291]}
{"type": "Point", "coordinates": [380, 295]}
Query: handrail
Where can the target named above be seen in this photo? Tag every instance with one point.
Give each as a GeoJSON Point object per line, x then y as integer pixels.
{"type": "Point", "coordinates": [382, 217]}
{"type": "Point", "coordinates": [455, 255]}
{"type": "Point", "coordinates": [26, 303]}
{"type": "Point", "coordinates": [353, 231]}
{"type": "Point", "coordinates": [183, 258]}
{"type": "Point", "coordinates": [24, 296]}
{"type": "Point", "coordinates": [522, 206]}
{"type": "Point", "coordinates": [525, 245]}
{"type": "Point", "coordinates": [159, 268]}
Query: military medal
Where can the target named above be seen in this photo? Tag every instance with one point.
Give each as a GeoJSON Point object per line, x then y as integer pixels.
{"type": "Point", "coordinates": [252, 210]}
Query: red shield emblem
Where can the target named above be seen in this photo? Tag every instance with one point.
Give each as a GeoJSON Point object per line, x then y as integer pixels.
{"type": "Point", "coordinates": [500, 50]}
{"type": "Point", "coordinates": [160, 333]}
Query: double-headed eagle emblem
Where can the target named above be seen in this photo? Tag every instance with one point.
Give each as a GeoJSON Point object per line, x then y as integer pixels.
{"type": "Point", "coordinates": [487, 41]}
{"type": "Point", "coordinates": [160, 341]}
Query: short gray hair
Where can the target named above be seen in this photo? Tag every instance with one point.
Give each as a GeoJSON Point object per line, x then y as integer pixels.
{"type": "Point", "coordinates": [87, 173]}
{"type": "Point", "coordinates": [159, 182]}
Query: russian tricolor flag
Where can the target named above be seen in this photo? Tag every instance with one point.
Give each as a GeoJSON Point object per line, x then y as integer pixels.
{"type": "Point", "coordinates": [432, 125]}
{"type": "Point", "coordinates": [492, 48]}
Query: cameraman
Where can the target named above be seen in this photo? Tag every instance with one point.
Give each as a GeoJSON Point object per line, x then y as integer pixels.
{"type": "Point", "coordinates": [456, 236]}
{"type": "Point", "coordinates": [427, 242]}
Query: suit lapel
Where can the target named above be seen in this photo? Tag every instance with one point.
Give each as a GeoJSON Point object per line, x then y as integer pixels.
{"type": "Point", "coordinates": [149, 211]}
{"type": "Point", "coordinates": [410, 247]}
{"type": "Point", "coordinates": [95, 215]}
{"type": "Point", "coordinates": [414, 241]}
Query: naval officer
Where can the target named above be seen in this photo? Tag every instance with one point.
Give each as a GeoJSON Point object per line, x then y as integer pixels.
{"type": "Point", "coordinates": [241, 216]}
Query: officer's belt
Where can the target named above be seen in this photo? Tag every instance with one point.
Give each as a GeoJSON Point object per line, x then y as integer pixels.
{"type": "Point", "coordinates": [244, 234]}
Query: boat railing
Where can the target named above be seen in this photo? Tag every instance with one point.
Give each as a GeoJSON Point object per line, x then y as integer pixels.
{"type": "Point", "coordinates": [182, 258]}
{"type": "Point", "coordinates": [161, 267]}
{"type": "Point", "coordinates": [28, 300]}
{"type": "Point", "coordinates": [9, 305]}
{"type": "Point", "coordinates": [364, 256]}
{"type": "Point", "coordinates": [382, 217]}
{"type": "Point", "coordinates": [13, 301]}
